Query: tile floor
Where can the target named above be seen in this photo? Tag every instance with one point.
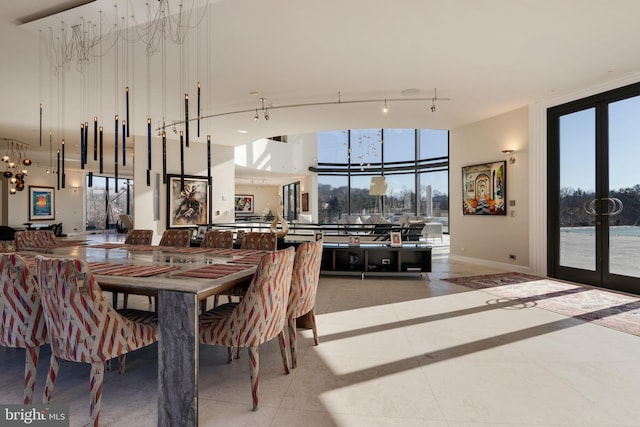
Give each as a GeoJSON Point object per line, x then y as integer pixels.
{"type": "Point", "coordinates": [393, 352]}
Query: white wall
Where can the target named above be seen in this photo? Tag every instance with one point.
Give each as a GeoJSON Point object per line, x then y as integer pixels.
{"type": "Point", "coordinates": [69, 206]}
{"type": "Point", "coordinates": [482, 237]}
{"type": "Point", "coordinates": [264, 196]}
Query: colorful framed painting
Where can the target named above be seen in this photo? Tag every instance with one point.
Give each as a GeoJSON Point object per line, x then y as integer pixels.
{"type": "Point", "coordinates": [41, 203]}
{"type": "Point", "coordinates": [243, 204]}
{"type": "Point", "coordinates": [484, 189]}
{"type": "Point", "coordinates": [188, 207]}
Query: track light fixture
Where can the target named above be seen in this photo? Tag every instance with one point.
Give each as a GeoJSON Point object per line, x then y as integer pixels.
{"type": "Point", "coordinates": [255, 118]}
{"type": "Point", "coordinates": [266, 114]}
{"type": "Point", "coordinates": [385, 109]}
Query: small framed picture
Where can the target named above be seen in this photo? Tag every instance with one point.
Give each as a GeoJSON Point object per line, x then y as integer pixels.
{"type": "Point", "coordinates": [319, 235]}
{"type": "Point", "coordinates": [354, 240]}
{"type": "Point", "coordinates": [202, 230]}
{"type": "Point", "coordinates": [396, 239]}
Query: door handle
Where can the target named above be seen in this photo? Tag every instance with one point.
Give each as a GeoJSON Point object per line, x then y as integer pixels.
{"type": "Point", "coordinates": [590, 206]}
{"type": "Point", "coordinates": [617, 206]}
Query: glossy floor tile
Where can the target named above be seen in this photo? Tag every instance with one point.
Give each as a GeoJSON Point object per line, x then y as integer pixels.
{"type": "Point", "coordinates": [393, 352]}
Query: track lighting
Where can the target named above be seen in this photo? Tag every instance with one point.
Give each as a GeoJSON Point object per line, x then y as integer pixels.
{"type": "Point", "coordinates": [433, 105]}
{"type": "Point", "coordinates": [266, 114]}
{"type": "Point", "coordinates": [255, 118]}
{"type": "Point", "coordinates": [385, 109]}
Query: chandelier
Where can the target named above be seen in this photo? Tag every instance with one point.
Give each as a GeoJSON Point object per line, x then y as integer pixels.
{"type": "Point", "coordinates": [16, 163]}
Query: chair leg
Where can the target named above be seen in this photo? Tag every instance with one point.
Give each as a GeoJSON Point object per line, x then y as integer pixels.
{"type": "Point", "coordinates": [254, 367]}
{"type": "Point", "coordinates": [97, 377]}
{"type": "Point", "coordinates": [125, 300]}
{"type": "Point", "coordinates": [230, 352]}
{"type": "Point", "coordinates": [122, 359]}
{"type": "Point", "coordinates": [54, 365]}
{"type": "Point", "coordinates": [114, 300]}
{"type": "Point", "coordinates": [216, 300]}
{"type": "Point", "coordinates": [293, 343]}
{"type": "Point", "coordinates": [312, 317]}
{"type": "Point", "coordinates": [30, 369]}
{"type": "Point", "coordinates": [283, 351]}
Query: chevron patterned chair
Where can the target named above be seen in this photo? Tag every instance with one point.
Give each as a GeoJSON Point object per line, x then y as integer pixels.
{"type": "Point", "coordinates": [29, 239]}
{"type": "Point", "coordinates": [222, 239]}
{"type": "Point", "coordinates": [259, 241]}
{"type": "Point", "coordinates": [22, 324]}
{"type": "Point", "coordinates": [254, 241]}
{"type": "Point", "coordinates": [83, 327]}
{"type": "Point", "coordinates": [176, 238]}
{"type": "Point", "coordinates": [135, 237]}
{"type": "Point", "coordinates": [304, 286]}
{"type": "Point", "coordinates": [259, 317]}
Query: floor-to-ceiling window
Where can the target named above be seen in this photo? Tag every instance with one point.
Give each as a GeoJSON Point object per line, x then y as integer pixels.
{"type": "Point", "coordinates": [107, 198]}
{"type": "Point", "coordinates": [594, 190]}
{"type": "Point", "coordinates": [414, 163]}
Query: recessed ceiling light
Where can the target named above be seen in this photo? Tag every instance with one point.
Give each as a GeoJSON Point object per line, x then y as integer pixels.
{"type": "Point", "coordinates": [410, 92]}
{"type": "Point", "coordinates": [242, 131]}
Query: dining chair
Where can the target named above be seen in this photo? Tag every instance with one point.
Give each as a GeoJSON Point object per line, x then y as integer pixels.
{"type": "Point", "coordinates": [135, 237]}
{"type": "Point", "coordinates": [259, 317]}
{"type": "Point", "coordinates": [255, 241]}
{"type": "Point", "coordinates": [259, 241]}
{"type": "Point", "coordinates": [222, 239]}
{"type": "Point", "coordinates": [22, 324]}
{"type": "Point", "coordinates": [29, 239]}
{"type": "Point", "coordinates": [139, 237]}
{"type": "Point", "coordinates": [176, 237]}
{"type": "Point", "coordinates": [304, 286]}
{"type": "Point", "coordinates": [83, 327]}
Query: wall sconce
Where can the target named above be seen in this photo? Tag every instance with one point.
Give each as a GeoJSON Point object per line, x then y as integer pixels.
{"type": "Point", "coordinates": [510, 156]}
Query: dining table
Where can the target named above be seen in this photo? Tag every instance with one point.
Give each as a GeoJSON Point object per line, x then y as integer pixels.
{"type": "Point", "coordinates": [180, 278]}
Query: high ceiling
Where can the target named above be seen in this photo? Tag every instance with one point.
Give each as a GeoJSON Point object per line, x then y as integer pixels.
{"type": "Point", "coordinates": [487, 57]}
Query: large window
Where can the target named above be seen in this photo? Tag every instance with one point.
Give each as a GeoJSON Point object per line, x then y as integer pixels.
{"type": "Point", "coordinates": [415, 163]}
{"type": "Point", "coordinates": [107, 198]}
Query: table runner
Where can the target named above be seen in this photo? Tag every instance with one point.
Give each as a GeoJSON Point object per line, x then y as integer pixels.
{"type": "Point", "coordinates": [213, 271]}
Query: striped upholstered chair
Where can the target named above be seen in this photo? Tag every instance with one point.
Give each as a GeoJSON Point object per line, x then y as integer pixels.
{"type": "Point", "coordinates": [83, 327]}
{"type": "Point", "coordinates": [259, 317]}
{"type": "Point", "coordinates": [304, 286]}
{"type": "Point", "coordinates": [22, 323]}
{"type": "Point", "coordinates": [222, 239]}
{"type": "Point", "coordinates": [259, 241]}
{"type": "Point", "coordinates": [176, 238]}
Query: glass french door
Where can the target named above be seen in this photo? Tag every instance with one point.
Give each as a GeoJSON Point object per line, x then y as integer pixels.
{"type": "Point", "coordinates": [594, 190]}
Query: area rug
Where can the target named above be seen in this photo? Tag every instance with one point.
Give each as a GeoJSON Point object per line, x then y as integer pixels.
{"type": "Point", "coordinates": [607, 308]}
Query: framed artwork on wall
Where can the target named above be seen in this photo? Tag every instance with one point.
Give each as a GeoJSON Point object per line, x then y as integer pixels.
{"type": "Point", "coordinates": [190, 207]}
{"type": "Point", "coordinates": [243, 204]}
{"type": "Point", "coordinates": [484, 189]}
{"type": "Point", "coordinates": [41, 203]}
{"type": "Point", "coordinates": [305, 202]}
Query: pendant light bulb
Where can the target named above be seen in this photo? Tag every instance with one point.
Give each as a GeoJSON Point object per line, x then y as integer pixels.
{"type": "Point", "coordinates": [385, 109]}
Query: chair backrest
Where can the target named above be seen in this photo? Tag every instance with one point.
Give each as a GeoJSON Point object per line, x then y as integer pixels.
{"type": "Point", "coordinates": [178, 238]}
{"type": "Point", "coordinates": [259, 241]}
{"type": "Point", "coordinates": [139, 237]}
{"type": "Point", "coordinates": [217, 239]}
{"type": "Point", "coordinates": [82, 325]}
{"type": "Point", "coordinates": [22, 323]}
{"type": "Point", "coordinates": [34, 239]}
{"type": "Point", "coordinates": [304, 281]}
{"type": "Point", "coordinates": [261, 314]}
